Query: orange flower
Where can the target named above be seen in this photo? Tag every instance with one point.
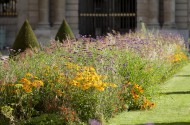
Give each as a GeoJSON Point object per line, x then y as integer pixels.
{"type": "Point", "coordinates": [136, 86]}
{"type": "Point", "coordinates": [152, 105]}
{"type": "Point", "coordinates": [27, 88]}
{"type": "Point", "coordinates": [37, 83]}
{"type": "Point", "coordinates": [135, 96]}
{"type": "Point", "coordinates": [140, 89]}
{"type": "Point", "coordinates": [66, 118]}
{"type": "Point", "coordinates": [133, 92]}
{"type": "Point", "coordinates": [25, 81]}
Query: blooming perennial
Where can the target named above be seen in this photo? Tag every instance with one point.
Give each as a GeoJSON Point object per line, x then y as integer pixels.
{"type": "Point", "coordinates": [29, 82]}
{"type": "Point", "coordinates": [86, 77]}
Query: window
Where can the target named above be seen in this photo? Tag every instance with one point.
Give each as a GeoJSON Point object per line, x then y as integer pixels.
{"type": "Point", "coordinates": [8, 8]}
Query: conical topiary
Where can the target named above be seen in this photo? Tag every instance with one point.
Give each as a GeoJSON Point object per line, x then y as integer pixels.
{"type": "Point", "coordinates": [25, 39]}
{"type": "Point", "coordinates": [64, 32]}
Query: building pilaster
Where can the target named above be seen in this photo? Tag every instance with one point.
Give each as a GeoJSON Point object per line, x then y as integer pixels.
{"type": "Point", "coordinates": [22, 11]}
{"type": "Point", "coordinates": [59, 14]}
{"type": "Point", "coordinates": [169, 14]}
{"type": "Point", "coordinates": [142, 11]}
{"type": "Point", "coordinates": [44, 14]}
{"type": "Point", "coordinates": [153, 14]}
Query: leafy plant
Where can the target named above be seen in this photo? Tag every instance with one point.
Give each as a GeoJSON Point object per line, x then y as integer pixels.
{"type": "Point", "coordinates": [86, 81]}
{"type": "Point", "coordinates": [7, 111]}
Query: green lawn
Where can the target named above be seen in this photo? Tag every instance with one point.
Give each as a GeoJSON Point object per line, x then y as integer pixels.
{"type": "Point", "coordinates": [172, 106]}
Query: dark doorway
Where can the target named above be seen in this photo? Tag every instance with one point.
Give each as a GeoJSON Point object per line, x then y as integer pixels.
{"type": "Point", "coordinates": [98, 17]}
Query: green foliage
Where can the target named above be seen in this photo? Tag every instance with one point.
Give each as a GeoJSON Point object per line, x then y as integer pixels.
{"type": "Point", "coordinates": [83, 80]}
{"type": "Point", "coordinates": [143, 27]}
{"type": "Point", "coordinates": [7, 111]}
{"type": "Point", "coordinates": [46, 119]}
{"type": "Point", "coordinates": [4, 120]}
{"type": "Point", "coordinates": [25, 39]}
{"type": "Point", "coordinates": [173, 101]}
{"type": "Point", "coordinates": [64, 32]}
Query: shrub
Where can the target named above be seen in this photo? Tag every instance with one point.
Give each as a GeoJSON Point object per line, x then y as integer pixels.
{"type": "Point", "coordinates": [45, 119]}
{"type": "Point", "coordinates": [64, 32]}
{"type": "Point", "coordinates": [87, 81]}
{"type": "Point", "coordinates": [25, 39]}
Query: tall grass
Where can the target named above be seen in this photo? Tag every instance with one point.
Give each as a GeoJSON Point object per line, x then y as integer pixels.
{"type": "Point", "coordinates": [76, 82]}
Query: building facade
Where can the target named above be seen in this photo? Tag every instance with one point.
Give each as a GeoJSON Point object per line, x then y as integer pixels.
{"type": "Point", "coordinates": [91, 17]}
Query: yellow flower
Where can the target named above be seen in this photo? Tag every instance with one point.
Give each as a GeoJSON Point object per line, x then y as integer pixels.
{"type": "Point", "coordinates": [86, 86]}
{"type": "Point", "coordinates": [29, 75]}
{"type": "Point", "coordinates": [59, 92]}
{"type": "Point", "coordinates": [139, 88]}
{"type": "Point", "coordinates": [25, 81]}
{"type": "Point", "coordinates": [113, 85]}
{"type": "Point", "coordinates": [128, 83]}
{"type": "Point", "coordinates": [75, 83]}
{"type": "Point", "coordinates": [37, 83]}
{"type": "Point", "coordinates": [178, 57]}
{"type": "Point", "coordinates": [135, 96]}
{"type": "Point", "coordinates": [91, 69]}
{"type": "Point", "coordinates": [100, 88]}
{"type": "Point", "coordinates": [96, 85]}
{"type": "Point", "coordinates": [86, 77]}
{"type": "Point", "coordinates": [136, 86]}
{"type": "Point", "coordinates": [27, 88]}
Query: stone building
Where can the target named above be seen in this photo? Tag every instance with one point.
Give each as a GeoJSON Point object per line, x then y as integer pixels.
{"type": "Point", "coordinates": [91, 17]}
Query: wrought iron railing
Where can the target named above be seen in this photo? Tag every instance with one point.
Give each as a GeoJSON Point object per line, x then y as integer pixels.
{"type": "Point", "coordinates": [98, 17]}
{"type": "Point", "coordinates": [8, 8]}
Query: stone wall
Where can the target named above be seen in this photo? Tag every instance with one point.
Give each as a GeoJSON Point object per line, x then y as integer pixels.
{"type": "Point", "coordinates": [33, 13]}
{"type": "Point", "coordinates": [72, 9]}
{"type": "Point", "coordinates": [9, 25]}
{"type": "Point", "coordinates": [181, 14]}
{"type": "Point", "coordinates": [142, 12]}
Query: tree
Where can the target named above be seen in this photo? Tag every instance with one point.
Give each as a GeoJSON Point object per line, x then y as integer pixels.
{"type": "Point", "coordinates": [64, 32]}
{"type": "Point", "coordinates": [25, 39]}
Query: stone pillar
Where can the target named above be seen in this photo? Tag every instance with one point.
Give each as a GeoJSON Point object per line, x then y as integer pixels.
{"type": "Point", "coordinates": [169, 14]}
{"type": "Point", "coordinates": [44, 14]}
{"type": "Point", "coordinates": [43, 32]}
{"type": "Point", "coordinates": [59, 11]}
{"type": "Point", "coordinates": [153, 14]}
{"type": "Point", "coordinates": [22, 10]}
{"type": "Point", "coordinates": [142, 12]}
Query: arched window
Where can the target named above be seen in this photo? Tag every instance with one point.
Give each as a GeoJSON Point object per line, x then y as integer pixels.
{"type": "Point", "coordinates": [8, 8]}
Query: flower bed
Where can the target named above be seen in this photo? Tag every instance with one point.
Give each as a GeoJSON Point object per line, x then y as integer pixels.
{"type": "Point", "coordinates": [77, 82]}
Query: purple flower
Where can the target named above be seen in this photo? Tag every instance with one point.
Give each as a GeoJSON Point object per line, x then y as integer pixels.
{"type": "Point", "coordinates": [94, 122]}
